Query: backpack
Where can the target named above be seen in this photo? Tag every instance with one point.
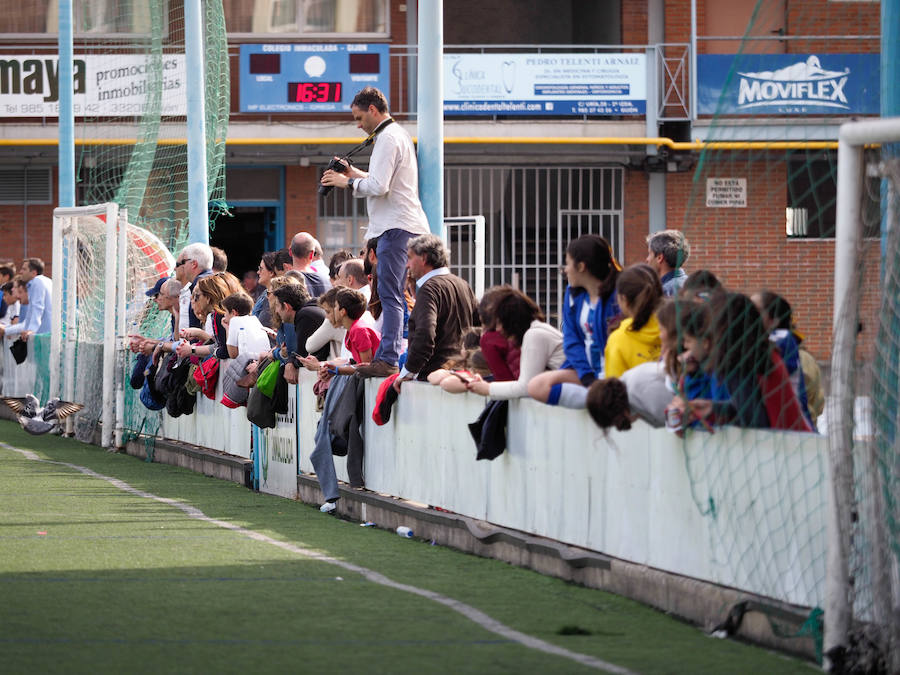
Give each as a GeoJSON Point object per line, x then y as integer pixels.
{"type": "Point", "coordinates": [207, 376]}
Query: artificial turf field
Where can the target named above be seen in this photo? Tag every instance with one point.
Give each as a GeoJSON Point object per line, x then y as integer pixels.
{"type": "Point", "coordinates": [96, 578]}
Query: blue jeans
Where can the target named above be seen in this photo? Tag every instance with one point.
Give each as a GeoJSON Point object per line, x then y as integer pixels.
{"type": "Point", "coordinates": [321, 457]}
{"type": "Point", "coordinates": [391, 270]}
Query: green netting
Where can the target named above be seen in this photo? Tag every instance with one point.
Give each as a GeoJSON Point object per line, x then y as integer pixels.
{"type": "Point", "coordinates": [140, 164]}
{"type": "Point", "coordinates": [773, 490]}
{"type": "Point", "coordinates": [41, 346]}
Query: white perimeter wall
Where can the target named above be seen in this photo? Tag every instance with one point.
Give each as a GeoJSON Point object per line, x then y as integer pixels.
{"type": "Point", "coordinates": [212, 425]}
{"type": "Point", "coordinates": [626, 494]}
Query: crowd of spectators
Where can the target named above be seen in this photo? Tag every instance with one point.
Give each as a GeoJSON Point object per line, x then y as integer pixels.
{"type": "Point", "coordinates": [648, 341]}
{"type": "Point", "coordinates": [684, 355]}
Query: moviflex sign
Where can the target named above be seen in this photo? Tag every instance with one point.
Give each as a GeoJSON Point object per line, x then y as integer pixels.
{"type": "Point", "coordinates": [802, 83]}
{"type": "Point", "coordinates": [788, 84]}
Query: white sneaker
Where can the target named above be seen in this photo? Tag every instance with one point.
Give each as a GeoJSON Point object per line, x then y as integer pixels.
{"type": "Point", "coordinates": [328, 507]}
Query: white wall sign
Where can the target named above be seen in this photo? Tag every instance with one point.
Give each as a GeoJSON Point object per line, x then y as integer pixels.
{"type": "Point", "coordinates": [278, 452]}
{"type": "Point", "coordinates": [724, 193]}
{"type": "Point", "coordinates": [545, 84]}
{"type": "Point", "coordinates": [114, 85]}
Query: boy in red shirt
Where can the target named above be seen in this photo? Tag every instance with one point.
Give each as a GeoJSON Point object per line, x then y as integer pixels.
{"type": "Point", "coordinates": [350, 312]}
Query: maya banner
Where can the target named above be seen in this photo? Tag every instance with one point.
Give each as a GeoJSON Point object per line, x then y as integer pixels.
{"type": "Point", "coordinates": [105, 85]}
{"type": "Point", "coordinates": [545, 84]}
{"type": "Point", "coordinates": [788, 84]}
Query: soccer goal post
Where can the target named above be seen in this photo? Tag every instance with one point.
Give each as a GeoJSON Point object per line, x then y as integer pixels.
{"type": "Point", "coordinates": [88, 313]}
{"type": "Point", "coordinates": [861, 587]}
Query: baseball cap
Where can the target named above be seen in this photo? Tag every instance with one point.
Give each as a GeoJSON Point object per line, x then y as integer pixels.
{"type": "Point", "coordinates": [153, 292]}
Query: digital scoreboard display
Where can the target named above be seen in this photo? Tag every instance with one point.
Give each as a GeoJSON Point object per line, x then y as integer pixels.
{"type": "Point", "coordinates": [314, 78]}
{"type": "Point", "coordinates": [314, 92]}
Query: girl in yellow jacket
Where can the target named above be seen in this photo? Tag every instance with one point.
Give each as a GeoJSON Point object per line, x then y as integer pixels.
{"type": "Point", "coordinates": [636, 340]}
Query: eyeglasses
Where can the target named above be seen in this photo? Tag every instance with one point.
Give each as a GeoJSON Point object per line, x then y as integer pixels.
{"type": "Point", "coordinates": [182, 262]}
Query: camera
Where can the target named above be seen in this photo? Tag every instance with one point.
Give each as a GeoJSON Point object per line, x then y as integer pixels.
{"type": "Point", "coordinates": [334, 165]}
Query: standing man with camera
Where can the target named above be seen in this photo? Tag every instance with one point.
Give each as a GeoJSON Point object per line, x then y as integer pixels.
{"type": "Point", "coordinates": [391, 189]}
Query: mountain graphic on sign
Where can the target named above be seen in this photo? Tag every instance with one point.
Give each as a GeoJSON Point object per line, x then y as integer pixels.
{"type": "Point", "coordinates": [809, 70]}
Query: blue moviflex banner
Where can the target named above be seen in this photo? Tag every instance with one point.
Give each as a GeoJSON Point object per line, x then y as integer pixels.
{"type": "Point", "coordinates": [788, 84]}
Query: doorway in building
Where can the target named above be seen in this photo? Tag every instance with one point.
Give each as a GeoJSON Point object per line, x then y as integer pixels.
{"type": "Point", "coordinates": [249, 232]}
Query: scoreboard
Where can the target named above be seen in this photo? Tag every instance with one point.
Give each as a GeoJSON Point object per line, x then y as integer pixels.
{"type": "Point", "coordinates": [309, 78]}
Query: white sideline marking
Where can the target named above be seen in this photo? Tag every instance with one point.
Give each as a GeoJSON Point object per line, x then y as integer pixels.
{"type": "Point", "coordinates": [475, 615]}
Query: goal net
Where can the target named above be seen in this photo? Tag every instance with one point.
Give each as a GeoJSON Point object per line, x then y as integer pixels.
{"type": "Point", "coordinates": [760, 209]}
{"type": "Point", "coordinates": [131, 157]}
{"type": "Point", "coordinates": [104, 268]}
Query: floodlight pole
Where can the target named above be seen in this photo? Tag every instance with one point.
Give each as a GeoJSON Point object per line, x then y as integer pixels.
{"type": "Point", "coordinates": [198, 208]}
{"type": "Point", "coordinates": [430, 105]}
{"type": "Point", "coordinates": [66, 108]}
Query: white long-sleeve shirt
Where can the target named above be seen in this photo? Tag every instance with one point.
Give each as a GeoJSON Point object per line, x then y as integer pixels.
{"type": "Point", "coordinates": [328, 334]}
{"type": "Point", "coordinates": [184, 309]}
{"type": "Point", "coordinates": [12, 311]}
{"type": "Point", "coordinates": [39, 317]}
{"type": "Point", "coordinates": [391, 187]}
{"type": "Point", "coordinates": [541, 350]}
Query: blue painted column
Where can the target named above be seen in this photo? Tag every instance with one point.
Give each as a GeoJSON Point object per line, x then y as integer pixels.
{"type": "Point", "coordinates": [66, 108]}
{"type": "Point", "coordinates": [198, 212]}
{"type": "Point", "coordinates": [890, 101]}
{"type": "Point", "coordinates": [890, 52]}
{"type": "Point", "coordinates": [430, 101]}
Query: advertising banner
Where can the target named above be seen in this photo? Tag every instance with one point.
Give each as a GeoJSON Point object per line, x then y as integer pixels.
{"type": "Point", "coordinates": [788, 84]}
{"type": "Point", "coordinates": [278, 452]}
{"type": "Point", "coordinates": [545, 84]}
{"type": "Point", "coordinates": [105, 85]}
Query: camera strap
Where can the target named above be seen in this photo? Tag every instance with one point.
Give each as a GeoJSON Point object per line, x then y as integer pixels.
{"type": "Point", "coordinates": [370, 138]}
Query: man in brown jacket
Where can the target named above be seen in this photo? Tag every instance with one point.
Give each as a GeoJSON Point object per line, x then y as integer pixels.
{"type": "Point", "coordinates": [445, 309]}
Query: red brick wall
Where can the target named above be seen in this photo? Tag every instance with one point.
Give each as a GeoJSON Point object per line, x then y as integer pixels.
{"type": "Point", "coordinates": [636, 216]}
{"type": "Point", "coordinates": [300, 201]}
{"type": "Point", "coordinates": [634, 22]}
{"type": "Point", "coordinates": [748, 250]}
{"type": "Point", "coordinates": [37, 219]}
{"type": "Point", "coordinates": [678, 20]}
{"type": "Point", "coordinates": [816, 17]}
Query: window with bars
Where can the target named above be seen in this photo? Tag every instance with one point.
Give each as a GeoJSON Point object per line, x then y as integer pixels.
{"type": "Point", "coordinates": [342, 222]}
{"type": "Point", "coordinates": [531, 214]}
{"type": "Point", "coordinates": [308, 17]}
{"type": "Point", "coordinates": [26, 186]}
{"type": "Point", "coordinates": [811, 210]}
{"type": "Point", "coordinates": [89, 17]}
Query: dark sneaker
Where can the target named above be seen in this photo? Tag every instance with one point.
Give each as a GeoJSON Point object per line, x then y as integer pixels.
{"type": "Point", "coordinates": [377, 369]}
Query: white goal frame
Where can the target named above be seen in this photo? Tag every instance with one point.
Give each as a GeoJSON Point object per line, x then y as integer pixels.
{"type": "Point", "coordinates": [65, 283]}
{"type": "Point", "coordinates": [852, 139]}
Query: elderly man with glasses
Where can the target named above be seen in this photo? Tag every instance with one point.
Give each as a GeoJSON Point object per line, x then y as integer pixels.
{"type": "Point", "coordinates": [193, 263]}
